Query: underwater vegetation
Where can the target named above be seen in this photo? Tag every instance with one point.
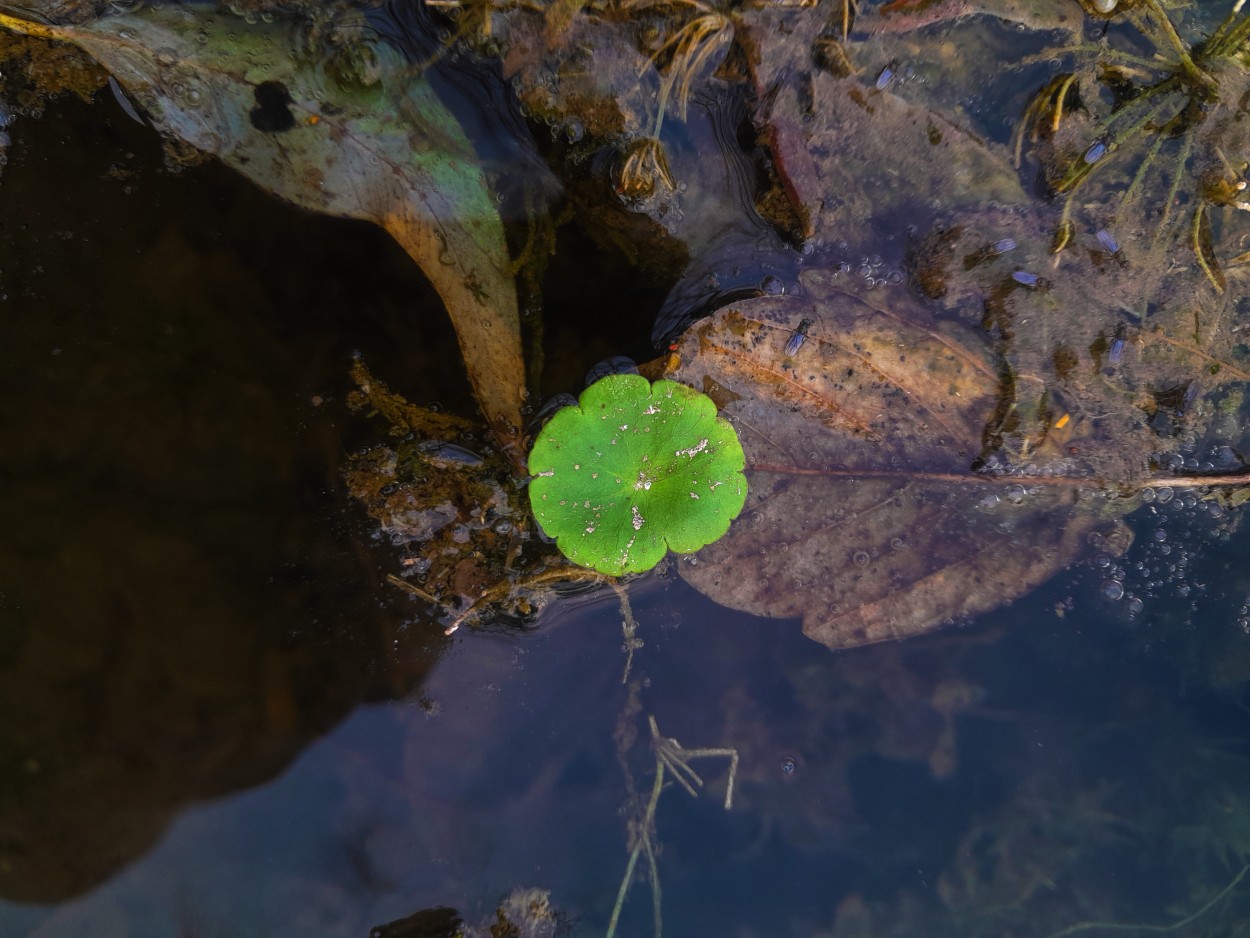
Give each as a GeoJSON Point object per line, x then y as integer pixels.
{"type": "Point", "coordinates": [1149, 104]}
{"type": "Point", "coordinates": [634, 470]}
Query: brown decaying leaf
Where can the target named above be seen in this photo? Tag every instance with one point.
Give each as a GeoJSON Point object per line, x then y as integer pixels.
{"type": "Point", "coordinates": [385, 150]}
{"type": "Point", "coordinates": [907, 15]}
{"type": "Point", "coordinates": [848, 153]}
{"type": "Point", "coordinates": [864, 517]}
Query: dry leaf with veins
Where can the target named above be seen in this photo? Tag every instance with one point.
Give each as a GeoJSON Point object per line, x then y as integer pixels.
{"type": "Point", "coordinates": [864, 517]}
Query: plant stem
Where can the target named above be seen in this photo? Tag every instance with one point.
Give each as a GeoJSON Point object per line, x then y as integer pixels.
{"type": "Point", "coordinates": [1232, 480]}
{"type": "Point", "coordinates": [641, 841]}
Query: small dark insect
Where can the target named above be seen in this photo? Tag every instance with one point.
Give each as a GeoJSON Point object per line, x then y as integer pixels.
{"type": "Point", "coordinates": [797, 338]}
{"type": "Point", "coordinates": [886, 76]}
{"type": "Point", "coordinates": [1108, 241]}
{"type": "Point", "coordinates": [1025, 278]}
{"type": "Point", "coordinates": [1095, 152]}
{"type": "Point", "coordinates": [1004, 245]}
{"type": "Point", "coordinates": [1116, 352]}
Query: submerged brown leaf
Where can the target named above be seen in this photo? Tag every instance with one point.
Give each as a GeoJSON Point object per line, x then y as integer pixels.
{"type": "Point", "coordinates": [865, 516]}
{"type": "Point", "coordinates": [849, 152]}
{"type": "Point", "coordinates": [353, 132]}
{"type": "Point", "coordinates": [907, 15]}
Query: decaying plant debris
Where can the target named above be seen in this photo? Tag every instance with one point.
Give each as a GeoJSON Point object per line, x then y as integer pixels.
{"type": "Point", "coordinates": [1097, 341]}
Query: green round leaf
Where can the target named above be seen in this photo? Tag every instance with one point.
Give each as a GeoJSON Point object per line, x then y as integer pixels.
{"type": "Point", "coordinates": [636, 469]}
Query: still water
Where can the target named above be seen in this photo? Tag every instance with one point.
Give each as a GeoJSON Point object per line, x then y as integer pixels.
{"type": "Point", "coordinates": [216, 718]}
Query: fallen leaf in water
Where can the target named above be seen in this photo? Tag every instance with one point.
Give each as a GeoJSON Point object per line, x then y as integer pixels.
{"type": "Point", "coordinates": [862, 418]}
{"type": "Point", "coordinates": [849, 152]}
{"type": "Point", "coordinates": [906, 15]}
{"type": "Point", "coordinates": [352, 131]}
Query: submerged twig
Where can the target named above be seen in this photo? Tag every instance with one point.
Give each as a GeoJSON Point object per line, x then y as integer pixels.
{"type": "Point", "coordinates": [410, 588]}
{"type": "Point", "coordinates": [642, 840]}
{"type": "Point", "coordinates": [670, 755]}
{"type": "Point", "coordinates": [1229, 480]}
{"type": "Point", "coordinates": [629, 629]}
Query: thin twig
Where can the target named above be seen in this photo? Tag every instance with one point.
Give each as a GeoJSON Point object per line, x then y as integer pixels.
{"type": "Point", "coordinates": [1230, 480]}
{"type": "Point", "coordinates": [641, 841]}
{"type": "Point", "coordinates": [629, 628]}
{"type": "Point", "coordinates": [415, 590]}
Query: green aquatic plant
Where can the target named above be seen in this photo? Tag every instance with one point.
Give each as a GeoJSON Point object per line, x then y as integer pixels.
{"type": "Point", "coordinates": [1175, 113]}
{"type": "Point", "coordinates": [634, 470]}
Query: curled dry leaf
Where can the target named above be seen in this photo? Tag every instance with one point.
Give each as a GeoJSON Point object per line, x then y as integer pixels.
{"type": "Point", "coordinates": [358, 135]}
{"type": "Point", "coordinates": [861, 421]}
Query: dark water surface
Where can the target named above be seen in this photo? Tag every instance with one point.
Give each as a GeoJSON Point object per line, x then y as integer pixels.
{"type": "Point", "coordinates": [216, 719]}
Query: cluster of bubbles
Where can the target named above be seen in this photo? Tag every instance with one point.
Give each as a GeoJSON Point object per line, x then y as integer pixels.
{"type": "Point", "coordinates": [996, 465]}
{"type": "Point", "coordinates": [247, 14]}
{"type": "Point", "coordinates": [876, 273]}
{"type": "Point", "coordinates": [1173, 526]}
{"type": "Point", "coordinates": [1243, 616]}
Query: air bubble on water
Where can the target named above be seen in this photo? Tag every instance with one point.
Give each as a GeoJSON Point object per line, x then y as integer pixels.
{"type": "Point", "coordinates": [1113, 590]}
{"type": "Point", "coordinates": [861, 558]}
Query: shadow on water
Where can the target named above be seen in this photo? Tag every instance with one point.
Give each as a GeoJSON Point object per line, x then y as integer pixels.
{"type": "Point", "coordinates": [187, 598]}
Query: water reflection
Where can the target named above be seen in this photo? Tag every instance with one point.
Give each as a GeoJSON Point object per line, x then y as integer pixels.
{"type": "Point", "coordinates": [972, 783]}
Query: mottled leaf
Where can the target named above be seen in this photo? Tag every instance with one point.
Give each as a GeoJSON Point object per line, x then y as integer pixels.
{"type": "Point", "coordinates": [865, 516]}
